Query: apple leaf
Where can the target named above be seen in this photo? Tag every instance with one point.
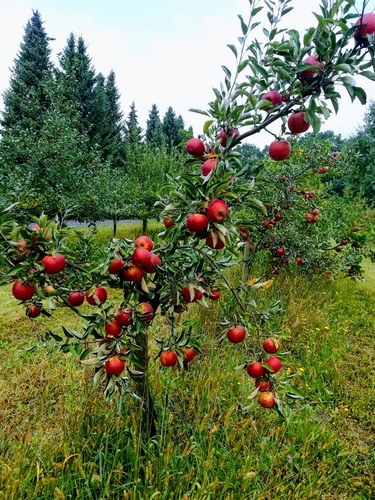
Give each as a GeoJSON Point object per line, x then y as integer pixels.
{"type": "Point", "coordinates": [233, 49]}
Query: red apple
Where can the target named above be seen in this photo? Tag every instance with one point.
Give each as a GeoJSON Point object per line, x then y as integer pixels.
{"type": "Point", "coordinates": [367, 21]}
{"type": "Point", "coordinates": [271, 346]}
{"type": "Point", "coordinates": [217, 211]}
{"type": "Point", "coordinates": [197, 223]}
{"type": "Point", "coordinates": [255, 369]}
{"type": "Point", "coordinates": [264, 385]}
{"type": "Point", "coordinates": [299, 260]}
{"type": "Point", "coordinates": [267, 399]}
{"type": "Point", "coordinates": [141, 257]}
{"type": "Point", "coordinates": [208, 166]}
{"type": "Point", "coordinates": [124, 318]}
{"type": "Point", "coordinates": [112, 328]}
{"type": "Point", "coordinates": [307, 75]}
{"type": "Point", "coordinates": [152, 265]}
{"type": "Point", "coordinates": [236, 334]}
{"type": "Point", "coordinates": [189, 354]}
{"type": "Point", "coordinates": [195, 147]}
{"type": "Point", "coordinates": [76, 299]}
{"type": "Point", "coordinates": [147, 311]}
{"type": "Point", "coordinates": [335, 154]}
{"type": "Point", "coordinates": [214, 294]}
{"type": "Point", "coordinates": [22, 291]}
{"type": "Point", "coordinates": [274, 364]}
{"type": "Point", "coordinates": [228, 132]}
{"type": "Point", "coordinates": [280, 251]}
{"type": "Point", "coordinates": [168, 222]}
{"type": "Point", "coordinates": [96, 296]}
{"type": "Point", "coordinates": [274, 97]}
{"type": "Point", "coordinates": [116, 266]}
{"type": "Point", "coordinates": [168, 358]}
{"type": "Point", "coordinates": [188, 297]}
{"type": "Point", "coordinates": [133, 273]}
{"type": "Point", "coordinates": [144, 242]}
{"type": "Point", "coordinates": [297, 123]}
{"type": "Point", "coordinates": [213, 240]}
{"type": "Point", "coordinates": [53, 265]}
{"type": "Point", "coordinates": [279, 150]}
{"type": "Point", "coordinates": [114, 366]}
{"type": "Point", "coordinates": [32, 311]}
{"type": "Point", "coordinates": [50, 290]}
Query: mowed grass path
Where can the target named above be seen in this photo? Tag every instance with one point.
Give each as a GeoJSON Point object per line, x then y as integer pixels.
{"type": "Point", "coordinates": [60, 439]}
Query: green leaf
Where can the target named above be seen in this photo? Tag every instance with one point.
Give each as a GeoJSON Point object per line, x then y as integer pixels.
{"type": "Point", "coordinates": [243, 25]}
{"type": "Point", "coordinates": [207, 125]}
{"type": "Point", "coordinates": [200, 111]}
{"type": "Point", "coordinates": [368, 74]}
{"type": "Point", "coordinates": [233, 49]}
{"type": "Point", "coordinates": [344, 67]}
{"type": "Point", "coordinates": [227, 72]}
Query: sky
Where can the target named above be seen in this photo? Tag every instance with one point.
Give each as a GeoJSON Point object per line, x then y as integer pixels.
{"type": "Point", "coordinates": [167, 53]}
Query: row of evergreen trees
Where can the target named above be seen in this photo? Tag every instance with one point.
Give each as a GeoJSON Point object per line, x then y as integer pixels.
{"type": "Point", "coordinates": [63, 133]}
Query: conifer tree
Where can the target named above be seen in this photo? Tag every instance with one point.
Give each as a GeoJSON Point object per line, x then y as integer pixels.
{"type": "Point", "coordinates": [133, 132]}
{"type": "Point", "coordinates": [154, 130]}
{"type": "Point", "coordinates": [25, 101]}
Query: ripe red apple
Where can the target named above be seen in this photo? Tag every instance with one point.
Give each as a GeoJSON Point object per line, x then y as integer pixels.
{"type": "Point", "coordinates": [147, 311]}
{"type": "Point", "coordinates": [279, 150]}
{"type": "Point", "coordinates": [323, 170]}
{"type": "Point", "coordinates": [280, 251]}
{"type": "Point", "coordinates": [307, 75]}
{"type": "Point", "coordinates": [214, 294]}
{"type": "Point", "coordinates": [299, 260]}
{"type": "Point", "coordinates": [53, 265]}
{"type": "Point", "coordinates": [116, 266]}
{"type": "Point", "coordinates": [152, 265]}
{"type": "Point", "coordinates": [264, 385]}
{"type": "Point", "coordinates": [213, 240]}
{"type": "Point", "coordinates": [335, 154]}
{"type": "Point", "coordinates": [133, 273]}
{"type": "Point", "coordinates": [344, 242]}
{"type": "Point", "coordinates": [274, 97]}
{"type": "Point", "coordinates": [124, 318]}
{"type": "Point", "coordinates": [217, 210]}
{"type": "Point", "coordinates": [228, 132]}
{"type": "Point", "coordinates": [76, 299]}
{"type": "Point", "coordinates": [32, 311]}
{"type": "Point", "coordinates": [195, 147]}
{"type": "Point", "coordinates": [271, 346]}
{"type": "Point", "coordinates": [274, 364]}
{"type": "Point", "coordinates": [367, 21]}
{"type": "Point", "coordinates": [197, 223]}
{"type": "Point", "coordinates": [112, 328]}
{"type": "Point", "coordinates": [96, 296]}
{"type": "Point", "coordinates": [255, 369]}
{"type": "Point", "coordinates": [236, 334]}
{"type": "Point", "coordinates": [141, 257]}
{"type": "Point", "coordinates": [297, 123]}
{"type": "Point", "coordinates": [168, 222]}
{"type": "Point", "coordinates": [267, 399]}
{"type": "Point", "coordinates": [22, 291]}
{"type": "Point", "coordinates": [315, 211]}
{"type": "Point", "coordinates": [168, 358]}
{"type": "Point", "coordinates": [208, 166]}
{"type": "Point", "coordinates": [189, 354]}
{"type": "Point", "coordinates": [185, 292]}
{"type": "Point", "coordinates": [144, 242]}
{"type": "Point", "coordinates": [114, 366]}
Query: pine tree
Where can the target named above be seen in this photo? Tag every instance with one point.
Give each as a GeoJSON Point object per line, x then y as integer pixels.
{"type": "Point", "coordinates": [114, 146]}
{"type": "Point", "coordinates": [80, 78]}
{"type": "Point", "coordinates": [154, 130]}
{"type": "Point", "coordinates": [171, 127]}
{"type": "Point", "coordinates": [133, 132]}
{"type": "Point", "coordinates": [25, 101]}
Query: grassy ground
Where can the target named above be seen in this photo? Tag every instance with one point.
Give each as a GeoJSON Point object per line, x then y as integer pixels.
{"type": "Point", "coordinates": [59, 439]}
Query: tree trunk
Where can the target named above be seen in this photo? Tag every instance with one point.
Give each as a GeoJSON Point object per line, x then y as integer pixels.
{"type": "Point", "coordinates": [144, 226]}
{"type": "Point", "coordinates": [114, 226]}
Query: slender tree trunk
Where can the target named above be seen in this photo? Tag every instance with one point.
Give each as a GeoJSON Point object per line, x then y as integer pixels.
{"type": "Point", "coordinates": [144, 226]}
{"type": "Point", "coordinates": [149, 417]}
{"type": "Point", "coordinates": [114, 226]}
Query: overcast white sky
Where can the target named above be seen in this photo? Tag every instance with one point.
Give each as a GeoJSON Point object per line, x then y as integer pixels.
{"type": "Point", "coordinates": [168, 52]}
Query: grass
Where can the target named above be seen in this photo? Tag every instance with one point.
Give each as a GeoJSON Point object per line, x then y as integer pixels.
{"type": "Point", "coordinates": [61, 440]}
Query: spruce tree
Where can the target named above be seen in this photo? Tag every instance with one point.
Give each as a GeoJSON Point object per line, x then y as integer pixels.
{"type": "Point", "coordinates": [133, 132]}
{"type": "Point", "coordinates": [171, 127]}
{"type": "Point", "coordinates": [154, 130]}
{"type": "Point", "coordinates": [25, 100]}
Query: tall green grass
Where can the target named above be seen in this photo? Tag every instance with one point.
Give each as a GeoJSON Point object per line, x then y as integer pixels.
{"type": "Point", "coordinates": [60, 439]}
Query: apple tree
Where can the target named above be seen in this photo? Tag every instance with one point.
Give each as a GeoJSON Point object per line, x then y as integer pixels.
{"type": "Point", "coordinates": [127, 285]}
